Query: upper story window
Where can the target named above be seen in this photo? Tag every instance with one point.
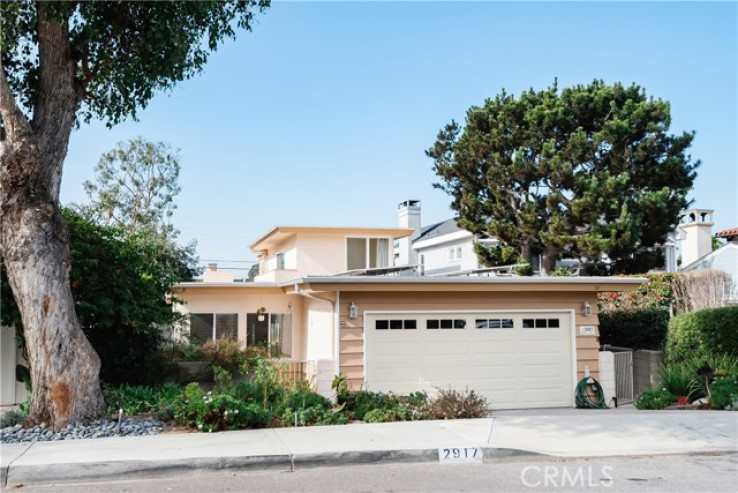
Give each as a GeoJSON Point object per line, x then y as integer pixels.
{"type": "Point", "coordinates": [280, 260]}
{"type": "Point", "coordinates": [367, 253]}
{"type": "Point", "coordinates": [454, 253]}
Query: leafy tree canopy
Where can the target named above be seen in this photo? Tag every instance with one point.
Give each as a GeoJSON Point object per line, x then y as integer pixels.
{"type": "Point", "coordinates": [135, 185]}
{"type": "Point", "coordinates": [64, 63]}
{"type": "Point", "coordinates": [123, 52]}
{"type": "Point", "coordinates": [581, 172]}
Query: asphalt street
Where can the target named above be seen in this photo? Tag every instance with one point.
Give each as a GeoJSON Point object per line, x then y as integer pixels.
{"type": "Point", "coordinates": [677, 474]}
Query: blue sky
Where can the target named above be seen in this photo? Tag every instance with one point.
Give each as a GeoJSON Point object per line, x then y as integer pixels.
{"type": "Point", "coordinates": [321, 115]}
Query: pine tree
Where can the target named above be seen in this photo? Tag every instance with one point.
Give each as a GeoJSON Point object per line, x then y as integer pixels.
{"type": "Point", "coordinates": [585, 172]}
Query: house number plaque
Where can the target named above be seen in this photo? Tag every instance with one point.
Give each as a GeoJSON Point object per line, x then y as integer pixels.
{"type": "Point", "coordinates": [587, 330]}
{"type": "Point", "coordinates": [453, 455]}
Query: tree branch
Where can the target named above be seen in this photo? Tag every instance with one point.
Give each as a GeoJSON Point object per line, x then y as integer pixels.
{"type": "Point", "coordinates": [15, 123]}
{"type": "Point", "coordinates": [58, 101]}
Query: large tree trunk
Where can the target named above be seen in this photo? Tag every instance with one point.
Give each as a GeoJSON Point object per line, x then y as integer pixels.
{"type": "Point", "coordinates": [548, 262]}
{"type": "Point", "coordinates": [64, 366]}
{"type": "Point", "coordinates": [33, 236]}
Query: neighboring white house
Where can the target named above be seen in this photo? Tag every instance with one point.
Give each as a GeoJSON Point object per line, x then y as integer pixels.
{"type": "Point", "coordinates": [724, 259]}
{"type": "Point", "coordinates": [440, 249]}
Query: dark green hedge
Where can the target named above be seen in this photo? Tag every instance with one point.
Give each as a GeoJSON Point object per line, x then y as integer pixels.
{"type": "Point", "coordinates": [702, 333]}
{"type": "Point", "coordinates": [640, 328]}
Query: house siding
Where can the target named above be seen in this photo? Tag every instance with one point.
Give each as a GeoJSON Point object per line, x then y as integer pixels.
{"type": "Point", "coordinates": [351, 331]}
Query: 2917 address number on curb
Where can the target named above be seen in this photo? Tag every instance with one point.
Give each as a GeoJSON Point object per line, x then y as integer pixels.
{"type": "Point", "coordinates": [460, 454]}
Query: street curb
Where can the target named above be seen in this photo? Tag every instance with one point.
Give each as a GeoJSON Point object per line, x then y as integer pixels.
{"type": "Point", "coordinates": [46, 473]}
{"type": "Point", "coordinates": [360, 457]}
{"type": "Point", "coordinates": [109, 470]}
{"type": "Point", "coordinates": [407, 456]}
{"type": "Point", "coordinates": [105, 470]}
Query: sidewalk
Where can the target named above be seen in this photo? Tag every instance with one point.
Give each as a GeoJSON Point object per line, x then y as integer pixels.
{"type": "Point", "coordinates": [561, 433]}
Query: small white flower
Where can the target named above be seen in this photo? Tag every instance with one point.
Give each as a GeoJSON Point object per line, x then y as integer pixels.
{"type": "Point", "coordinates": [225, 413]}
{"type": "Point", "coordinates": [199, 427]}
{"type": "Point", "coordinates": [235, 412]}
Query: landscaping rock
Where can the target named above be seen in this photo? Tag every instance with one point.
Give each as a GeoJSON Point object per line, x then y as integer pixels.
{"type": "Point", "coordinates": [97, 428]}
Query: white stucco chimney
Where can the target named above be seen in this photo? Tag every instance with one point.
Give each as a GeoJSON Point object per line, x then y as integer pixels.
{"type": "Point", "coordinates": [212, 274]}
{"type": "Point", "coordinates": [697, 227]}
{"type": "Point", "coordinates": [409, 217]}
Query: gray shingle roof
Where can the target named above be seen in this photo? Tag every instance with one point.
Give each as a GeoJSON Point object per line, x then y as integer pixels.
{"type": "Point", "coordinates": [439, 229]}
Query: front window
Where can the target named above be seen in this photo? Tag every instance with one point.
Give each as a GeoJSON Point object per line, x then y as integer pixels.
{"type": "Point", "coordinates": [367, 253]}
{"type": "Point", "coordinates": [280, 261]}
{"type": "Point", "coordinates": [209, 326]}
{"type": "Point", "coordinates": [270, 330]}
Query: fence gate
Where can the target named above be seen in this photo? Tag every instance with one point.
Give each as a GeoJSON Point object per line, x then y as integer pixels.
{"type": "Point", "coordinates": [623, 376]}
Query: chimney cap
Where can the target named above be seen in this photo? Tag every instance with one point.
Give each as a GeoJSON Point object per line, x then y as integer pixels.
{"type": "Point", "coordinates": [689, 216]}
{"type": "Point", "coordinates": [213, 266]}
{"type": "Point", "coordinates": [409, 203]}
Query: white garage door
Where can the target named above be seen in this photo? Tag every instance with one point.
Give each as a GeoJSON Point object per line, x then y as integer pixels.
{"type": "Point", "coordinates": [515, 359]}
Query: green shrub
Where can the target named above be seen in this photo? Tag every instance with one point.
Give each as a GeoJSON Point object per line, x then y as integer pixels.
{"type": "Point", "coordinates": [269, 376]}
{"type": "Point", "coordinates": [224, 412]}
{"type": "Point", "coordinates": [209, 412]}
{"type": "Point", "coordinates": [183, 351]}
{"type": "Point", "coordinates": [452, 404]}
{"type": "Point", "coordinates": [724, 392]}
{"type": "Point", "coordinates": [680, 379]}
{"type": "Point", "coordinates": [657, 293]}
{"type": "Point", "coordinates": [359, 403]}
{"type": "Point", "coordinates": [311, 416]}
{"type": "Point", "coordinates": [388, 415]}
{"type": "Point", "coordinates": [224, 352]}
{"type": "Point", "coordinates": [304, 400]}
{"type": "Point", "coordinates": [703, 333]}
{"type": "Point", "coordinates": [639, 328]}
{"type": "Point", "coordinates": [717, 364]}
{"type": "Point", "coordinates": [137, 399]}
{"type": "Point", "coordinates": [248, 391]}
{"type": "Point", "coordinates": [11, 418]}
{"type": "Point", "coordinates": [655, 399]}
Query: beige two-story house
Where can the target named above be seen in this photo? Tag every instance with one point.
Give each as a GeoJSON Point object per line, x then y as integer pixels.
{"type": "Point", "coordinates": [333, 297]}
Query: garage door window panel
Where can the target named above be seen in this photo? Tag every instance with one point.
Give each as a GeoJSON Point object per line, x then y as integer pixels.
{"type": "Point", "coordinates": [395, 324]}
{"type": "Point", "coordinates": [494, 323]}
{"type": "Point", "coordinates": [541, 323]}
{"type": "Point", "coordinates": [446, 323]}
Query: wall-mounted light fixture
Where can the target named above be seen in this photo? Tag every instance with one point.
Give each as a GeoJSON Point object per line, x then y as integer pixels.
{"type": "Point", "coordinates": [586, 309]}
{"type": "Point", "coordinates": [353, 311]}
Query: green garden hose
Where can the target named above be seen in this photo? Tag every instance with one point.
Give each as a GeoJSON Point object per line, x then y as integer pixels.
{"type": "Point", "coordinates": [582, 398]}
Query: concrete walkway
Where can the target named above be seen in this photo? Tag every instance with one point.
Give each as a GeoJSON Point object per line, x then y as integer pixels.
{"type": "Point", "coordinates": [563, 433]}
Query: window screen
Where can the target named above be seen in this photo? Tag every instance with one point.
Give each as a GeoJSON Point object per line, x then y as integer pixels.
{"type": "Point", "coordinates": [226, 325]}
{"type": "Point", "coordinates": [356, 253]}
{"type": "Point", "coordinates": [201, 327]}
